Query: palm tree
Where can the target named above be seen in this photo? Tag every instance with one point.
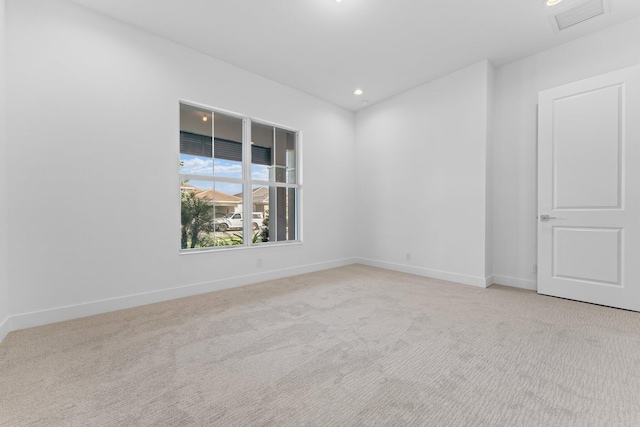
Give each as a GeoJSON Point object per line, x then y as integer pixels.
{"type": "Point", "coordinates": [196, 218]}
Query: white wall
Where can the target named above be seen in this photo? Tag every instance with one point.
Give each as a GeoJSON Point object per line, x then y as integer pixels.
{"type": "Point", "coordinates": [4, 202]}
{"type": "Point", "coordinates": [516, 94]}
{"type": "Point", "coordinates": [93, 126]}
{"type": "Point", "coordinates": [422, 178]}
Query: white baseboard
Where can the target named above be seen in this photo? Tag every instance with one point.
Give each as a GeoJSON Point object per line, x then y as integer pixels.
{"type": "Point", "coordinates": [515, 282]}
{"type": "Point", "coordinates": [5, 328]}
{"type": "Point", "coordinates": [488, 281]}
{"type": "Point", "coordinates": [59, 314]}
{"type": "Point", "coordinates": [481, 282]}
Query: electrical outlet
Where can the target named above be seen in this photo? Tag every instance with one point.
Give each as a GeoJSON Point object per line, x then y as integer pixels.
{"type": "Point", "coordinates": [408, 256]}
{"type": "Point", "coordinates": [535, 269]}
{"type": "Point", "coordinates": [259, 262]}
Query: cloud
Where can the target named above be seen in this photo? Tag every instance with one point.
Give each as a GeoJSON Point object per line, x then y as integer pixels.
{"type": "Point", "coordinates": [260, 173]}
{"type": "Point", "coordinates": [229, 188]}
{"type": "Point", "coordinates": [223, 168]}
{"type": "Point", "coordinates": [228, 170]}
{"type": "Point", "coordinates": [197, 166]}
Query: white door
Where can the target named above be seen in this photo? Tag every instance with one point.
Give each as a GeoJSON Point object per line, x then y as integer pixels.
{"type": "Point", "coordinates": [589, 190]}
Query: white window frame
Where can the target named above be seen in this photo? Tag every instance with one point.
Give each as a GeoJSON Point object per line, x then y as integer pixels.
{"type": "Point", "coordinates": [247, 183]}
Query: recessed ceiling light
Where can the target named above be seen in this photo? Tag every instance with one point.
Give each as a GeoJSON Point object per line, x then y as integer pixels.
{"type": "Point", "coordinates": [204, 119]}
{"type": "Point", "coordinates": [338, 1]}
{"type": "Point", "coordinates": [358, 92]}
{"type": "Point", "coordinates": [552, 2]}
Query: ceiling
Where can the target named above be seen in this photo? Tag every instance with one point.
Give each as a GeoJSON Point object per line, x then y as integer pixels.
{"type": "Point", "coordinates": [328, 49]}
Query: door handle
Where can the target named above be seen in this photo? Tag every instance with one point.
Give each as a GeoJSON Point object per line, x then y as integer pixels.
{"type": "Point", "coordinates": [546, 217]}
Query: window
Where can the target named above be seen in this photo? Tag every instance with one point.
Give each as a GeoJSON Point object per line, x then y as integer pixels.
{"type": "Point", "coordinates": [233, 167]}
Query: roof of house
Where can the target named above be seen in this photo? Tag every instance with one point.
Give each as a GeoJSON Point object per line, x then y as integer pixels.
{"type": "Point", "coordinates": [186, 187]}
{"type": "Point", "coordinates": [217, 196]}
{"type": "Point", "coordinates": [260, 194]}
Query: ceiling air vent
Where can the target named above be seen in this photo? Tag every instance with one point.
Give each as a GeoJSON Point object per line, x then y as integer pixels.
{"type": "Point", "coordinates": [579, 13]}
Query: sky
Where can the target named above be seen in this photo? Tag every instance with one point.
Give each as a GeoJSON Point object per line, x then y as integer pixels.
{"type": "Point", "coordinates": [196, 165]}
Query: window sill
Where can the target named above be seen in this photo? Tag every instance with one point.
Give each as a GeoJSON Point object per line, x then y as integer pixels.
{"type": "Point", "coordinates": [239, 247]}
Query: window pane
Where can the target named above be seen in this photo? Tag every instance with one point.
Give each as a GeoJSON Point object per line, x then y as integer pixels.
{"type": "Point", "coordinates": [285, 157]}
{"type": "Point", "coordinates": [227, 202]}
{"type": "Point", "coordinates": [210, 143]}
{"type": "Point", "coordinates": [260, 203]}
{"type": "Point", "coordinates": [211, 214]}
{"type": "Point", "coordinates": [196, 215]}
{"type": "Point", "coordinates": [280, 208]}
{"type": "Point", "coordinates": [261, 151]}
{"type": "Point", "coordinates": [291, 159]}
{"type": "Point", "coordinates": [273, 154]}
{"type": "Point", "coordinates": [195, 141]}
{"type": "Point", "coordinates": [291, 214]}
{"type": "Point", "coordinates": [227, 148]}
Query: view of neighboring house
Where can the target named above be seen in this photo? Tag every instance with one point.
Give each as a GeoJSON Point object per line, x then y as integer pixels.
{"type": "Point", "coordinates": [261, 200]}
{"type": "Point", "coordinates": [225, 203]}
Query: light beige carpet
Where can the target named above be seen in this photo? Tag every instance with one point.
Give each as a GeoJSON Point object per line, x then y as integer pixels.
{"type": "Point", "coordinates": [349, 346]}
